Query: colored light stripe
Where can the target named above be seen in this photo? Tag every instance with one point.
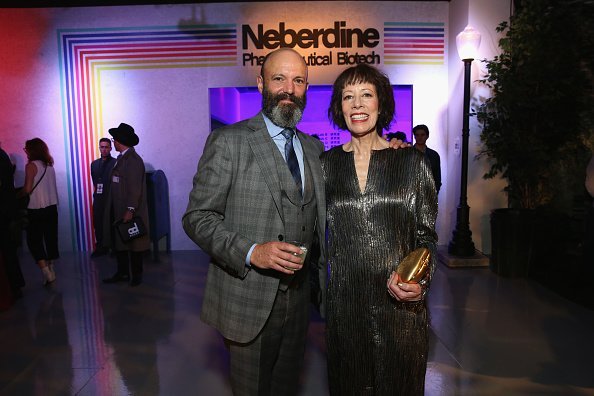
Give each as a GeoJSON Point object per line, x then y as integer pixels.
{"type": "Point", "coordinates": [170, 44]}
{"type": "Point", "coordinates": [399, 40]}
{"type": "Point", "coordinates": [388, 29]}
{"type": "Point", "coordinates": [415, 62]}
{"type": "Point", "coordinates": [414, 45]}
{"type": "Point", "coordinates": [66, 123]}
{"type": "Point", "coordinates": [192, 55]}
{"type": "Point", "coordinates": [413, 42]}
{"type": "Point", "coordinates": [83, 126]}
{"type": "Point", "coordinates": [413, 52]}
{"type": "Point", "coordinates": [86, 53]}
{"type": "Point", "coordinates": [414, 35]}
{"type": "Point", "coordinates": [413, 24]}
{"type": "Point", "coordinates": [196, 50]}
{"type": "Point", "coordinates": [416, 57]}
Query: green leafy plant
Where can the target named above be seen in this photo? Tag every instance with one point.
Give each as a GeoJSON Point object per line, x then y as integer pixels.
{"type": "Point", "coordinates": [537, 124]}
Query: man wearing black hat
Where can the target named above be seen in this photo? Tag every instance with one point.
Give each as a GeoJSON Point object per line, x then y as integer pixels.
{"type": "Point", "coordinates": [126, 198]}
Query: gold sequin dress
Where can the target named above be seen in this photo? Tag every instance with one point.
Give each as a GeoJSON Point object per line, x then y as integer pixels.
{"type": "Point", "coordinates": [376, 345]}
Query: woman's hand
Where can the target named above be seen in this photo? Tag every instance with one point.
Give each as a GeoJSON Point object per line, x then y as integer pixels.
{"type": "Point", "coordinates": [403, 291]}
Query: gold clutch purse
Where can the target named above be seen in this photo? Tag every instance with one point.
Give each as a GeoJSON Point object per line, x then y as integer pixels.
{"type": "Point", "coordinates": [414, 266]}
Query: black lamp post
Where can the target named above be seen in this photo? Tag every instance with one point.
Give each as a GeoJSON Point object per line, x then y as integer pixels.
{"type": "Point", "coordinates": [461, 244]}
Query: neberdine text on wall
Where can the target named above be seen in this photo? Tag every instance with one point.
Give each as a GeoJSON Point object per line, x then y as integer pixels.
{"type": "Point", "coordinates": [346, 45]}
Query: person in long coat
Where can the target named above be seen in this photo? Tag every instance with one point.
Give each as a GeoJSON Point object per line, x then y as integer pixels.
{"type": "Point", "coordinates": [126, 199]}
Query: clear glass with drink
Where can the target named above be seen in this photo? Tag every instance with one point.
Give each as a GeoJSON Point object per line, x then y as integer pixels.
{"type": "Point", "coordinates": [303, 248]}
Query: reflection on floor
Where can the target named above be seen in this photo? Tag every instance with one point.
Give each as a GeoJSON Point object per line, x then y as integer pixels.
{"type": "Point", "coordinates": [490, 335]}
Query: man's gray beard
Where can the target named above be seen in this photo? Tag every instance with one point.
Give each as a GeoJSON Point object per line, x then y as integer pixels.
{"type": "Point", "coordinates": [283, 115]}
{"type": "Point", "coordinates": [286, 116]}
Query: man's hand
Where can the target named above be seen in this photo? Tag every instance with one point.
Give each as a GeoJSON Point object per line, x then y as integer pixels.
{"type": "Point", "coordinates": [278, 256]}
{"type": "Point", "coordinates": [397, 143]}
{"type": "Point", "coordinates": [127, 216]}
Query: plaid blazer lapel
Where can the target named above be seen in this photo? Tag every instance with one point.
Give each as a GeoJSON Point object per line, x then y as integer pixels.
{"type": "Point", "coordinates": [262, 146]}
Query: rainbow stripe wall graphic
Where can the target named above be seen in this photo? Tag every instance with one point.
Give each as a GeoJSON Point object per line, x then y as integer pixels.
{"type": "Point", "coordinates": [419, 43]}
{"type": "Point", "coordinates": [85, 54]}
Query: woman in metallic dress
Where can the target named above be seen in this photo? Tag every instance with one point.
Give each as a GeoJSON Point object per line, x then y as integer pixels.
{"type": "Point", "coordinates": [381, 205]}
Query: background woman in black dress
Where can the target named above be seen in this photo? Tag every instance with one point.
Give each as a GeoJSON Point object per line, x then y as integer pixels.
{"type": "Point", "coordinates": [381, 205]}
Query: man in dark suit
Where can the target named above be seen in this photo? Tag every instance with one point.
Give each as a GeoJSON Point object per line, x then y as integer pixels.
{"type": "Point", "coordinates": [258, 186]}
{"type": "Point", "coordinates": [421, 133]}
{"type": "Point", "coordinates": [100, 171]}
{"type": "Point", "coordinates": [8, 217]}
{"type": "Point", "coordinates": [126, 198]}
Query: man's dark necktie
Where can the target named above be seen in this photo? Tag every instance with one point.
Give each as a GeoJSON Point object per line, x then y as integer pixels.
{"type": "Point", "coordinates": [292, 157]}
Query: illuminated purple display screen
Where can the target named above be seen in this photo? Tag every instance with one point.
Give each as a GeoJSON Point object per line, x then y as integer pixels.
{"type": "Point", "coordinates": [232, 104]}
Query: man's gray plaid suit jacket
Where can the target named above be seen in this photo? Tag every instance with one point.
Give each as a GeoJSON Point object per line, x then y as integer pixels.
{"type": "Point", "coordinates": [236, 202]}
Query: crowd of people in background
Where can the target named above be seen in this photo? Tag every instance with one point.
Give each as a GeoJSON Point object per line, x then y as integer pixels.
{"type": "Point", "coordinates": [119, 194]}
{"type": "Point", "coordinates": [421, 134]}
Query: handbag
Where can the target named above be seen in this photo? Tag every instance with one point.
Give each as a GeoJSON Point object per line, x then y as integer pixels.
{"type": "Point", "coordinates": [414, 266]}
{"type": "Point", "coordinates": [131, 230]}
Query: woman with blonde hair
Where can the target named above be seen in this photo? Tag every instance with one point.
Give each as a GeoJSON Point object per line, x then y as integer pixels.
{"type": "Point", "coordinates": [42, 210]}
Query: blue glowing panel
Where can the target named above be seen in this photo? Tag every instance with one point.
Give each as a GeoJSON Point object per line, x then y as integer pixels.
{"type": "Point", "coordinates": [232, 104]}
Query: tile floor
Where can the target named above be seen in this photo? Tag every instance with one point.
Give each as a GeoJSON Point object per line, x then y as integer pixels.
{"type": "Point", "coordinates": [489, 335]}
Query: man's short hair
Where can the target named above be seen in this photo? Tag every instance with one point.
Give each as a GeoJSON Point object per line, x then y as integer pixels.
{"type": "Point", "coordinates": [421, 127]}
{"type": "Point", "coordinates": [106, 140]}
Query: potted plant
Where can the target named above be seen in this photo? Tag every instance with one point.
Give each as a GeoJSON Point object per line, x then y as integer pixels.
{"type": "Point", "coordinates": [536, 127]}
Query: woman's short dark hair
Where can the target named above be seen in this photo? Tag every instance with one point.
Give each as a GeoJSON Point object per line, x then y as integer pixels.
{"type": "Point", "coordinates": [38, 150]}
{"type": "Point", "coordinates": [363, 73]}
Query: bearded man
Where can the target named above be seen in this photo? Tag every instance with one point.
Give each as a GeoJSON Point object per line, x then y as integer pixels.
{"type": "Point", "coordinates": [258, 186]}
